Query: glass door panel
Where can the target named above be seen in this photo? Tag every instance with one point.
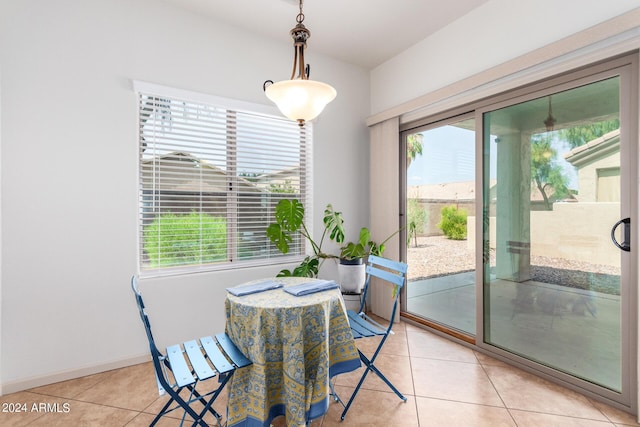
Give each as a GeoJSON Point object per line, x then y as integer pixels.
{"type": "Point", "coordinates": [440, 225]}
{"type": "Point", "coordinates": [552, 193]}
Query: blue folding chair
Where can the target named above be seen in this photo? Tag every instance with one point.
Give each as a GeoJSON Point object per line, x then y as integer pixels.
{"type": "Point", "coordinates": [184, 366]}
{"type": "Point", "coordinates": [362, 326]}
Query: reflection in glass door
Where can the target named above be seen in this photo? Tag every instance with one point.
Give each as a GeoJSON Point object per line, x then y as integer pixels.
{"type": "Point", "coordinates": [553, 280]}
{"type": "Point", "coordinates": [440, 208]}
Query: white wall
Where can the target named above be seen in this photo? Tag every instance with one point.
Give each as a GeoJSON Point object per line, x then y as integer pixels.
{"type": "Point", "coordinates": [492, 34]}
{"type": "Point", "coordinates": [69, 164]}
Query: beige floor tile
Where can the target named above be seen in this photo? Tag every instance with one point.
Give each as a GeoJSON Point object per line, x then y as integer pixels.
{"type": "Point", "coordinates": [524, 391]}
{"type": "Point", "coordinates": [459, 381]}
{"type": "Point", "coordinates": [536, 419]}
{"type": "Point", "coordinates": [85, 414]}
{"type": "Point", "coordinates": [426, 344]}
{"type": "Point", "coordinates": [18, 408]}
{"type": "Point", "coordinates": [399, 326]}
{"type": "Point", "coordinates": [485, 359]}
{"type": "Point", "coordinates": [144, 420]}
{"type": "Point", "coordinates": [72, 388]}
{"type": "Point", "coordinates": [396, 343]}
{"type": "Point", "coordinates": [615, 415]}
{"type": "Point", "coordinates": [220, 405]}
{"type": "Point", "coordinates": [411, 327]}
{"type": "Point", "coordinates": [372, 408]}
{"type": "Point", "coordinates": [368, 345]}
{"type": "Point", "coordinates": [440, 413]}
{"type": "Point", "coordinates": [132, 388]}
{"type": "Point", "coordinates": [397, 369]}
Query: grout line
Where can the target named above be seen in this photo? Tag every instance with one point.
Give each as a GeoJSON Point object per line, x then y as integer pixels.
{"type": "Point", "coordinates": [413, 382]}
{"type": "Point", "coordinates": [572, 417]}
{"type": "Point", "coordinates": [495, 389]}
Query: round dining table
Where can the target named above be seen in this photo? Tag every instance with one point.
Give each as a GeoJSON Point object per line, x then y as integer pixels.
{"type": "Point", "coordinates": [296, 344]}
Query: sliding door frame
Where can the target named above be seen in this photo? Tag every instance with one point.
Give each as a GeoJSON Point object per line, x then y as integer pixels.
{"type": "Point", "coordinates": [444, 119]}
{"type": "Point", "coordinates": [626, 66]}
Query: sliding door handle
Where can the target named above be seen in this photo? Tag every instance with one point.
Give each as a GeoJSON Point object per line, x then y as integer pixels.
{"type": "Point", "coordinates": [626, 234]}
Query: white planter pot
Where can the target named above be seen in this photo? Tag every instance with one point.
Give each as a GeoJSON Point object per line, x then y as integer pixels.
{"type": "Point", "coordinates": [351, 277]}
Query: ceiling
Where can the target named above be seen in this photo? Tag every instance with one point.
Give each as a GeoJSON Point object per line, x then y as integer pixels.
{"type": "Point", "coordinates": [592, 103]}
{"type": "Point", "coordinates": [361, 32]}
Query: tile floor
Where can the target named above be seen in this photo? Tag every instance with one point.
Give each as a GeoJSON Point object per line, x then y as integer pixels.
{"type": "Point", "coordinates": [446, 385]}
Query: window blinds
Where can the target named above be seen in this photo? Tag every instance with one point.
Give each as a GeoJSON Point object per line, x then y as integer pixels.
{"type": "Point", "coordinates": [210, 178]}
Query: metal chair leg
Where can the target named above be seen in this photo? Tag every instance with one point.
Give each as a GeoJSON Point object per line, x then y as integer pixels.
{"type": "Point", "coordinates": [369, 367]}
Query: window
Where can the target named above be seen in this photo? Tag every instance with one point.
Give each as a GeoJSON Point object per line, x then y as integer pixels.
{"type": "Point", "coordinates": [210, 175]}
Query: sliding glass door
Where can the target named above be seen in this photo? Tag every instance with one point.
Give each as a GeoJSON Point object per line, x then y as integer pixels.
{"type": "Point", "coordinates": [440, 208]}
{"type": "Point", "coordinates": [554, 291]}
{"type": "Point", "coordinates": [520, 221]}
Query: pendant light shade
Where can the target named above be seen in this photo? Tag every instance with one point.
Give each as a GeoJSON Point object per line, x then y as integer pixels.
{"type": "Point", "coordinates": [299, 98]}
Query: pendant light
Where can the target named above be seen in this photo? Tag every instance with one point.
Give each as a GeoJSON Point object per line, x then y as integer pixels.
{"type": "Point", "coordinates": [550, 121]}
{"type": "Point", "coordinates": [299, 98]}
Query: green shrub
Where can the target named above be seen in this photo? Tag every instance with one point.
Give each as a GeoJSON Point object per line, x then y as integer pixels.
{"type": "Point", "coordinates": [185, 239]}
{"type": "Point", "coordinates": [453, 222]}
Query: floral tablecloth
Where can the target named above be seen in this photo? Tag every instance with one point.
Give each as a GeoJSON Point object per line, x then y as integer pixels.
{"type": "Point", "coordinates": [296, 343]}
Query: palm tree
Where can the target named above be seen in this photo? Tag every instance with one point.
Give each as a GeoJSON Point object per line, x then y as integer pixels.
{"type": "Point", "coordinates": [414, 147]}
{"type": "Point", "coordinates": [417, 216]}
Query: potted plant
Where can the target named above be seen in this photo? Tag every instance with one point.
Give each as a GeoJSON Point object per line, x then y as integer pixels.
{"type": "Point", "coordinates": [289, 216]}
{"type": "Point", "coordinates": [289, 221]}
{"type": "Point", "coordinates": [352, 269]}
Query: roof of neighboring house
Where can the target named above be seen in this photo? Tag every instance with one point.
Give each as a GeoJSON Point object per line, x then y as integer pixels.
{"type": "Point", "coordinates": [184, 172]}
{"type": "Point", "coordinates": [290, 172]}
{"type": "Point", "coordinates": [607, 144]}
{"type": "Point", "coordinates": [289, 175]}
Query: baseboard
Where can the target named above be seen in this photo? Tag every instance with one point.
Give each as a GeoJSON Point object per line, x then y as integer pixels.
{"type": "Point", "coordinates": [25, 384]}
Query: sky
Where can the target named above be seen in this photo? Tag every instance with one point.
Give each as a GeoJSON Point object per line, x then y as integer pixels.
{"type": "Point", "coordinates": [449, 156]}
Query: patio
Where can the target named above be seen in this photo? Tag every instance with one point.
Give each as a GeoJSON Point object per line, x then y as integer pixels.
{"type": "Point", "coordinates": [557, 324]}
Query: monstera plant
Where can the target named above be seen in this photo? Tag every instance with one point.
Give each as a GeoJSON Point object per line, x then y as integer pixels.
{"type": "Point", "coordinates": [353, 251]}
{"type": "Point", "coordinates": [289, 216]}
{"type": "Point", "coordinates": [289, 222]}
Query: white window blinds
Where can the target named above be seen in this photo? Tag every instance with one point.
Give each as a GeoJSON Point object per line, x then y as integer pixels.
{"type": "Point", "coordinates": [210, 178]}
